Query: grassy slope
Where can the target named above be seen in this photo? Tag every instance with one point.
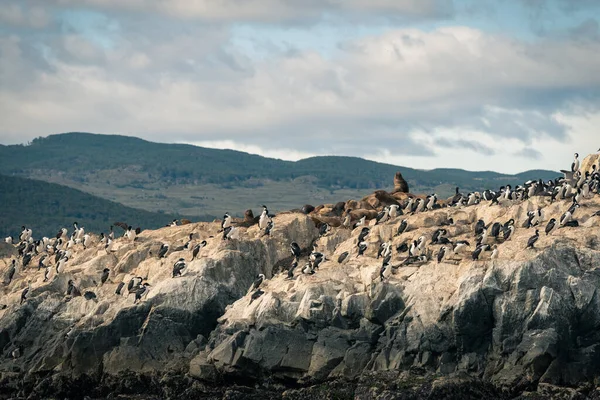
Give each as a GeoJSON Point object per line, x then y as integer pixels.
{"type": "Point", "coordinates": [46, 207]}
{"type": "Point", "coordinates": [198, 181]}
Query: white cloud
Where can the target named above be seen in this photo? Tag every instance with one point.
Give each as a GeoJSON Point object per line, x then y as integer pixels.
{"type": "Point", "coordinates": [388, 95]}
{"type": "Point", "coordinates": [17, 15]}
{"type": "Point", "coordinates": [273, 10]}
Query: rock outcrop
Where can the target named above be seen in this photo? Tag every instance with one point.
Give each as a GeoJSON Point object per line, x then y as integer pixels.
{"type": "Point", "coordinates": [526, 322]}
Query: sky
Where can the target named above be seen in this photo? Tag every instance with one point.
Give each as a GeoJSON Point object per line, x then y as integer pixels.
{"type": "Point", "coordinates": [503, 85]}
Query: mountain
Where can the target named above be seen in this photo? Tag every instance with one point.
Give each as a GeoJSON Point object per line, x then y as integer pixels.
{"type": "Point", "coordinates": [46, 207]}
{"type": "Point", "coordinates": [195, 181]}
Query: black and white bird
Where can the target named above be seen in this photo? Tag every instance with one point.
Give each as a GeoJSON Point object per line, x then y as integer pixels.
{"type": "Point", "coordinates": [568, 215]}
{"type": "Point", "coordinates": [27, 259]}
{"type": "Point", "coordinates": [134, 283]}
{"type": "Point", "coordinates": [256, 295]}
{"type": "Point", "coordinates": [551, 225]}
{"type": "Point", "coordinates": [197, 248]}
{"type": "Point", "coordinates": [382, 216]}
{"type": "Point", "coordinates": [42, 262]}
{"type": "Point", "coordinates": [494, 252]}
{"type": "Point", "coordinates": [324, 229]}
{"type": "Point", "coordinates": [25, 292]}
{"type": "Point", "coordinates": [363, 234]}
{"type": "Point", "coordinates": [575, 164]}
{"type": "Point", "coordinates": [119, 288]}
{"type": "Point", "coordinates": [291, 269]}
{"type": "Point", "coordinates": [72, 289]}
{"type": "Point", "coordinates": [342, 257]}
{"type": "Point", "coordinates": [308, 269]}
{"type": "Point", "coordinates": [47, 273]}
{"type": "Point", "coordinates": [480, 227]}
{"type": "Point", "coordinates": [402, 227]}
{"type": "Point", "coordinates": [269, 227]}
{"type": "Point", "coordinates": [441, 254]}
{"type": "Point", "coordinates": [104, 277]}
{"type": "Point", "coordinates": [227, 221]}
{"type": "Point", "coordinates": [508, 231]}
{"type": "Point", "coordinates": [361, 221]}
{"type": "Point", "coordinates": [60, 267]}
{"type": "Point", "coordinates": [394, 211]}
{"type": "Point", "coordinates": [257, 282]}
{"type": "Point", "coordinates": [402, 247]}
{"type": "Point", "coordinates": [162, 252]}
{"type": "Point", "coordinates": [228, 232]}
{"type": "Point", "coordinates": [385, 271]}
{"type": "Point", "coordinates": [362, 246]}
{"type": "Point", "coordinates": [475, 255]}
{"type": "Point", "coordinates": [384, 250]}
{"type": "Point", "coordinates": [533, 239]}
{"type": "Point", "coordinates": [295, 249]}
{"type": "Point", "coordinates": [347, 221]}
{"type": "Point", "coordinates": [131, 233]}
{"type": "Point", "coordinates": [264, 218]}
{"type": "Point", "coordinates": [141, 292]}
{"type": "Point", "coordinates": [178, 267]}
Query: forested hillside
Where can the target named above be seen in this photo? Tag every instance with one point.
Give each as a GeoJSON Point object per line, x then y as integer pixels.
{"type": "Point", "coordinates": [46, 207]}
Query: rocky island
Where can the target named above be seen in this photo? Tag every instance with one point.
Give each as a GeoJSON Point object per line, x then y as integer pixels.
{"type": "Point", "coordinates": [440, 301]}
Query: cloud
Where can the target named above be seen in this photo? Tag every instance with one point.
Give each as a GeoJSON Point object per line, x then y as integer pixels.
{"type": "Point", "coordinates": [529, 153]}
{"type": "Point", "coordinates": [465, 144]}
{"type": "Point", "coordinates": [391, 94]}
{"type": "Point", "coordinates": [17, 15]}
{"type": "Point", "coordinates": [274, 11]}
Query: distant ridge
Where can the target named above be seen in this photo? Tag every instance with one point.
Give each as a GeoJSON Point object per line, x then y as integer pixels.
{"type": "Point", "coordinates": [46, 207]}
{"type": "Point", "coordinates": [76, 154]}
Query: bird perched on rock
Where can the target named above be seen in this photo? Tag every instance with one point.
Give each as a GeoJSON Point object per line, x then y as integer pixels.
{"type": "Point", "coordinates": [88, 295]}
{"type": "Point", "coordinates": [324, 229]}
{"type": "Point", "coordinates": [551, 225]}
{"type": "Point", "coordinates": [162, 252]}
{"type": "Point", "coordinates": [256, 295]}
{"type": "Point", "coordinates": [141, 292]}
{"type": "Point", "coordinates": [342, 257]}
{"type": "Point", "coordinates": [295, 249]}
{"type": "Point", "coordinates": [25, 292]}
{"type": "Point", "coordinates": [197, 248]}
{"type": "Point", "coordinates": [119, 288]}
{"type": "Point", "coordinates": [269, 227]}
{"type": "Point", "coordinates": [362, 246]}
{"type": "Point", "coordinates": [533, 239]}
{"type": "Point", "coordinates": [264, 218]}
{"type": "Point", "coordinates": [441, 254]}
{"type": "Point", "coordinates": [382, 216]}
{"type": "Point", "coordinates": [494, 252]}
{"type": "Point", "coordinates": [384, 250]}
{"type": "Point", "coordinates": [291, 269]}
{"type": "Point", "coordinates": [227, 221]}
{"type": "Point", "coordinates": [134, 284]}
{"type": "Point", "coordinates": [72, 290]}
{"type": "Point", "coordinates": [363, 234]}
{"type": "Point", "coordinates": [228, 232]}
{"type": "Point", "coordinates": [402, 227]}
{"type": "Point", "coordinates": [178, 267]}
{"type": "Point", "coordinates": [575, 163]}
{"type": "Point", "coordinates": [104, 277]}
{"type": "Point", "coordinates": [257, 282]}
{"type": "Point", "coordinates": [385, 271]}
{"type": "Point", "coordinates": [475, 255]}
